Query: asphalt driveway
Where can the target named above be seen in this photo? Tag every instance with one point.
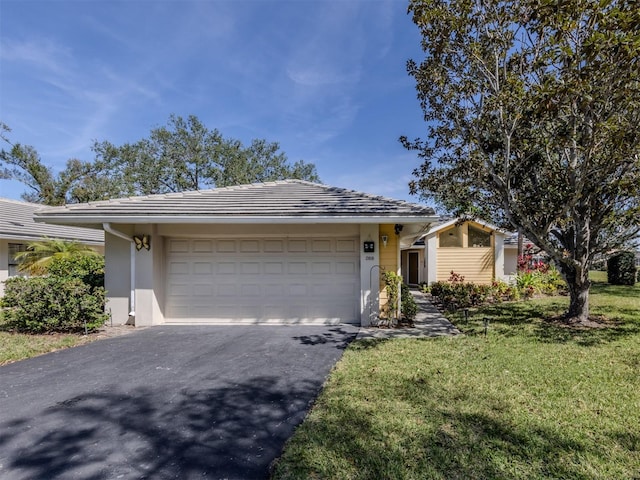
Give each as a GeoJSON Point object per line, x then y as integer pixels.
{"type": "Point", "coordinates": [164, 402]}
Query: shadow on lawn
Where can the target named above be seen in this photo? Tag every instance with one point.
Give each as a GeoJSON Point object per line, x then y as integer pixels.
{"type": "Point", "coordinates": [450, 441]}
{"type": "Point", "coordinates": [524, 318]}
{"type": "Point", "coordinates": [230, 432]}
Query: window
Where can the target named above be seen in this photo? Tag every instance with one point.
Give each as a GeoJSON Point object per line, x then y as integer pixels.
{"type": "Point", "coordinates": [451, 237]}
{"type": "Point", "coordinates": [15, 248]}
{"type": "Point", "coordinates": [478, 237]}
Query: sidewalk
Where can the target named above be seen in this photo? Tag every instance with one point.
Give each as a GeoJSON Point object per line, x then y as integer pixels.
{"type": "Point", "coordinates": [429, 322]}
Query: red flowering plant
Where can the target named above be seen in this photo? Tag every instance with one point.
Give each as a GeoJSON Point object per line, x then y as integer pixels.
{"type": "Point", "coordinates": [535, 275]}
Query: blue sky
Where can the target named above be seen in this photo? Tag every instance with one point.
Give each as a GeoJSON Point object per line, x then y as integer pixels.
{"type": "Point", "coordinates": [324, 78]}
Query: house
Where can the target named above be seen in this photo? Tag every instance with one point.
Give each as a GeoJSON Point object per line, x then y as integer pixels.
{"type": "Point", "coordinates": [473, 249]}
{"type": "Point", "coordinates": [17, 229]}
{"type": "Point", "coordinates": [280, 252]}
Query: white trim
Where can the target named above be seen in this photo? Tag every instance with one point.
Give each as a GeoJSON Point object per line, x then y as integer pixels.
{"type": "Point", "coordinates": [444, 225]}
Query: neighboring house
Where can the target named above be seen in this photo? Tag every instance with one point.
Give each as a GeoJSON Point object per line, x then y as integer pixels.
{"type": "Point", "coordinates": [17, 229]}
{"type": "Point", "coordinates": [279, 252]}
{"type": "Point", "coordinates": [511, 254]}
{"type": "Point", "coordinates": [472, 249]}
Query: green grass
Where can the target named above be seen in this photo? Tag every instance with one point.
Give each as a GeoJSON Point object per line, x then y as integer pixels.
{"type": "Point", "coordinates": [19, 346]}
{"type": "Point", "coordinates": [532, 399]}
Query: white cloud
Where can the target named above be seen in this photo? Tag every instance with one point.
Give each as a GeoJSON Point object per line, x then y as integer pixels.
{"type": "Point", "coordinates": [43, 54]}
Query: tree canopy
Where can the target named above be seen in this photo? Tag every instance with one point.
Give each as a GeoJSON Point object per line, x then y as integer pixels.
{"type": "Point", "coordinates": [183, 155]}
{"type": "Point", "coordinates": [533, 121]}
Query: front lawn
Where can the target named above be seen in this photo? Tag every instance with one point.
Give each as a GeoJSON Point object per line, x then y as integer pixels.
{"type": "Point", "coordinates": [531, 400]}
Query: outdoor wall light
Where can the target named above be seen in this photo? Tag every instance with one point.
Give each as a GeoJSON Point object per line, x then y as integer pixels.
{"type": "Point", "coordinates": [398, 228]}
{"type": "Point", "coordinates": [385, 239]}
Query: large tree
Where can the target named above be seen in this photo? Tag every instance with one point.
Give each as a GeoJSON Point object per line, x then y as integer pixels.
{"type": "Point", "coordinates": [183, 155]}
{"type": "Point", "coordinates": [186, 155]}
{"type": "Point", "coordinates": [533, 121]}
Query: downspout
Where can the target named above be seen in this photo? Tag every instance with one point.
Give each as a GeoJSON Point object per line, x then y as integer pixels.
{"type": "Point", "coordinates": [132, 299]}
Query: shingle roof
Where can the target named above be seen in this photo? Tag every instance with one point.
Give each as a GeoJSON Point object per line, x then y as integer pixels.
{"type": "Point", "coordinates": [286, 200]}
{"type": "Point", "coordinates": [16, 223]}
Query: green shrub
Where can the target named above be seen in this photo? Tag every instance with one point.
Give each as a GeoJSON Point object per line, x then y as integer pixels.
{"type": "Point", "coordinates": [89, 269]}
{"type": "Point", "coordinates": [409, 307]}
{"type": "Point", "coordinates": [392, 281]}
{"type": "Point", "coordinates": [621, 269]}
{"type": "Point", "coordinates": [52, 304]}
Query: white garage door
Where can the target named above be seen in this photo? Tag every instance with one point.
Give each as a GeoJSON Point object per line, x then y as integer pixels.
{"type": "Point", "coordinates": [248, 280]}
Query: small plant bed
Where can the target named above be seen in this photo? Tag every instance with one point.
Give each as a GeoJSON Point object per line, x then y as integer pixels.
{"type": "Point", "coordinates": [16, 346]}
{"type": "Point", "coordinates": [530, 400]}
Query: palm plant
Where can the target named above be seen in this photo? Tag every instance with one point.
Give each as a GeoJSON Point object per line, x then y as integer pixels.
{"type": "Point", "coordinates": [36, 258]}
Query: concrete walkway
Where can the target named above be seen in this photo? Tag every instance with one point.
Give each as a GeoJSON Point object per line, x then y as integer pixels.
{"type": "Point", "coordinates": [429, 322]}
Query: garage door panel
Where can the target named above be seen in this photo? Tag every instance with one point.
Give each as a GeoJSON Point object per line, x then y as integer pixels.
{"type": "Point", "coordinates": [263, 280]}
{"type": "Point", "coordinates": [179, 268]}
{"type": "Point", "coordinates": [346, 246]}
{"type": "Point", "coordinates": [297, 246]}
{"type": "Point", "coordinates": [274, 268]}
{"type": "Point", "coordinates": [297, 268]}
{"type": "Point", "coordinates": [225, 268]}
{"type": "Point", "coordinates": [202, 268]}
{"type": "Point", "coordinates": [345, 268]}
{"type": "Point", "coordinates": [178, 246]}
{"type": "Point", "coordinates": [227, 290]}
{"type": "Point", "coordinates": [321, 268]}
{"type": "Point", "coordinates": [321, 246]}
{"type": "Point", "coordinates": [226, 246]}
{"type": "Point", "coordinates": [249, 246]}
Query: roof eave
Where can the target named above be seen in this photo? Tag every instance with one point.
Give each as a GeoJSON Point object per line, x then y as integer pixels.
{"type": "Point", "coordinates": [31, 238]}
{"type": "Point", "coordinates": [249, 219]}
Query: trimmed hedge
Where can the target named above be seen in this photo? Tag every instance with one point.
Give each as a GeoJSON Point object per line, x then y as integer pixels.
{"type": "Point", "coordinates": [621, 269]}
{"type": "Point", "coordinates": [52, 304]}
{"type": "Point", "coordinates": [69, 298]}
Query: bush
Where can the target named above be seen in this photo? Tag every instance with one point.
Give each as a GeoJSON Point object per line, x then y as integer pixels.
{"type": "Point", "coordinates": [409, 306]}
{"type": "Point", "coordinates": [621, 269]}
{"type": "Point", "coordinates": [52, 304]}
{"type": "Point", "coordinates": [89, 269]}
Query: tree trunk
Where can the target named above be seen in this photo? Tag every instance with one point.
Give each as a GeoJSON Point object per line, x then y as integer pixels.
{"type": "Point", "coordinates": [578, 284]}
{"type": "Point", "coordinates": [520, 243]}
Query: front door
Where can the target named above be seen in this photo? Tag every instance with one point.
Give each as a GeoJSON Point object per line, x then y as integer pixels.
{"type": "Point", "coordinates": [414, 258]}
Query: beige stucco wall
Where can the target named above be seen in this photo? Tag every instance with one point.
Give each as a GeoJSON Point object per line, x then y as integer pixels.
{"type": "Point", "coordinates": [510, 261]}
{"type": "Point", "coordinates": [117, 281]}
{"type": "Point", "coordinates": [150, 281]}
{"type": "Point", "coordinates": [4, 263]}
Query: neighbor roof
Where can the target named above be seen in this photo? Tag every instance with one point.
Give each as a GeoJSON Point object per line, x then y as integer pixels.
{"type": "Point", "coordinates": [286, 201]}
{"type": "Point", "coordinates": [446, 223]}
{"type": "Point", "coordinates": [16, 223]}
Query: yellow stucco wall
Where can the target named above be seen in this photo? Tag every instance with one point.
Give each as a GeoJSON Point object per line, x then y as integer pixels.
{"type": "Point", "coordinates": [475, 264]}
{"type": "Point", "coordinates": [388, 260]}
